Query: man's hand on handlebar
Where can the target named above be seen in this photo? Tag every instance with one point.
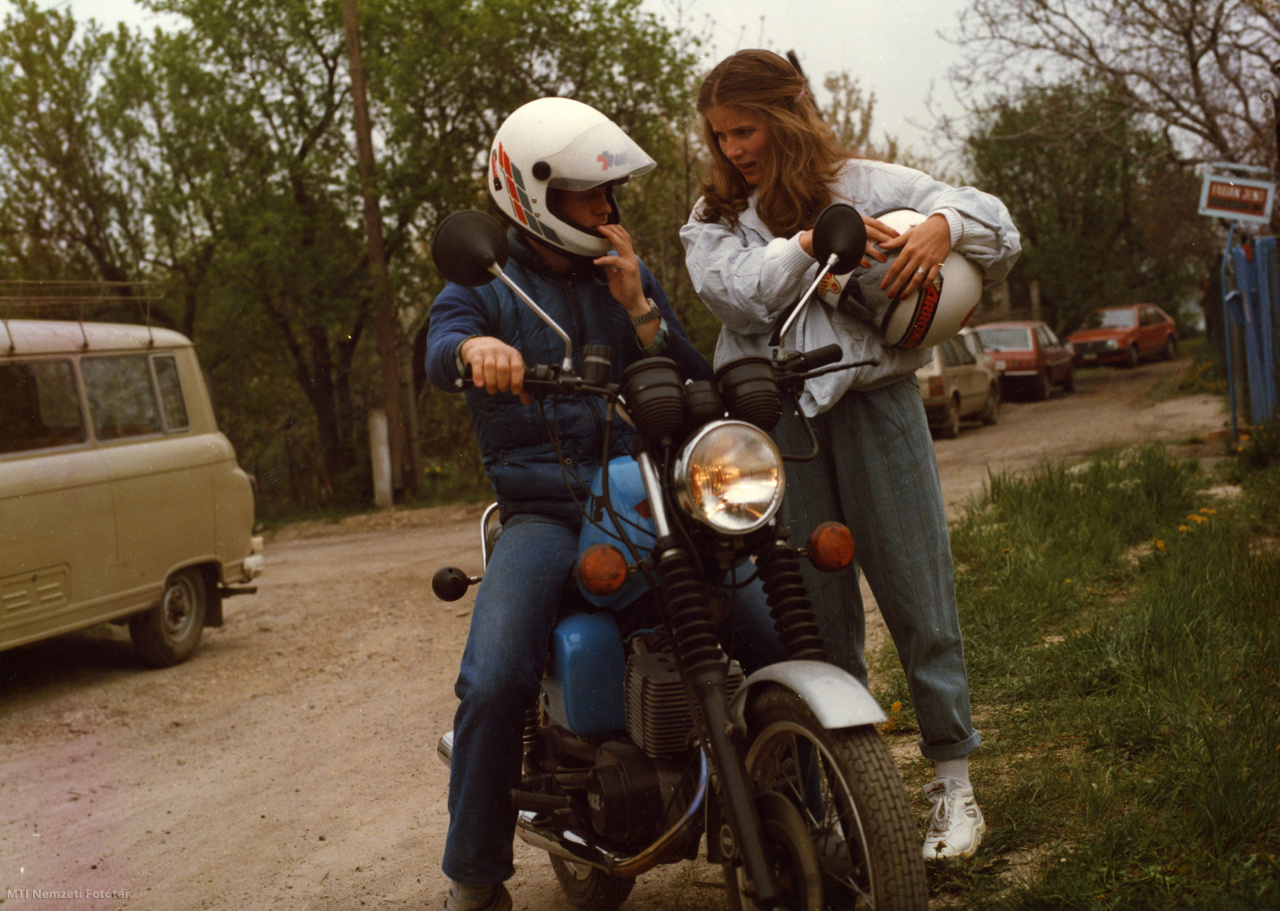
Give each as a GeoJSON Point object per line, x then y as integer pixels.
{"type": "Point", "coordinates": [495, 366]}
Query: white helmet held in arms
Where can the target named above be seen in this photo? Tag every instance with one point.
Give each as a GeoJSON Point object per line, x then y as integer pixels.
{"type": "Point", "coordinates": [937, 311]}
{"type": "Point", "coordinates": [560, 144]}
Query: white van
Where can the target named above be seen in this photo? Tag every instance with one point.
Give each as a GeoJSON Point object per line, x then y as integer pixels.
{"type": "Point", "coordinates": [119, 498]}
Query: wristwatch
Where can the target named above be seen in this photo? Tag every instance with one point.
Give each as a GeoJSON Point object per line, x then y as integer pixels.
{"type": "Point", "coordinates": [648, 317]}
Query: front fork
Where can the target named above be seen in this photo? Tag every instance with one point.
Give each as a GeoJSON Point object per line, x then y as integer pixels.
{"type": "Point", "coordinates": [704, 669]}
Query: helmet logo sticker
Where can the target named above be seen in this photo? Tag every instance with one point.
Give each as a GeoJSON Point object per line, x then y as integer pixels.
{"type": "Point", "coordinates": [519, 198]}
{"type": "Point", "coordinates": [609, 160]}
{"type": "Point", "coordinates": [925, 311]}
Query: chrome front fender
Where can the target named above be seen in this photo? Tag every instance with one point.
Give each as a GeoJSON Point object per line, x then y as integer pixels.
{"type": "Point", "coordinates": [836, 698]}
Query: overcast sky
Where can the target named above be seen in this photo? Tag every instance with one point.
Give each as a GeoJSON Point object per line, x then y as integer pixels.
{"type": "Point", "coordinates": [891, 48]}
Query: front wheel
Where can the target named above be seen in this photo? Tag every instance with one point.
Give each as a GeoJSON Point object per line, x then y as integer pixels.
{"type": "Point", "coordinates": [848, 838]}
{"type": "Point", "coordinates": [588, 888]}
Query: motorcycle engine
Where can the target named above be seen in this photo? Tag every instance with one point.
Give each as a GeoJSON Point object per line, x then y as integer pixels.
{"type": "Point", "coordinates": [659, 716]}
{"type": "Point", "coordinates": [624, 794]}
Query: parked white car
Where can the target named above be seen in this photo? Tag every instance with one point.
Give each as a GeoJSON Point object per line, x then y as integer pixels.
{"type": "Point", "coordinates": [959, 383]}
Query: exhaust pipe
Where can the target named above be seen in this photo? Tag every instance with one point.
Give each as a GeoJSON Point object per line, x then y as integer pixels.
{"type": "Point", "coordinates": [562, 841]}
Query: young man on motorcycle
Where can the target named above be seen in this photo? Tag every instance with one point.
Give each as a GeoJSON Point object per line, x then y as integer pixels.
{"type": "Point", "coordinates": [552, 170]}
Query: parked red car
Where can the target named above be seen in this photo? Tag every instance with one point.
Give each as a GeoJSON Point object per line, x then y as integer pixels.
{"type": "Point", "coordinates": [1029, 356]}
{"type": "Point", "coordinates": [1125, 335]}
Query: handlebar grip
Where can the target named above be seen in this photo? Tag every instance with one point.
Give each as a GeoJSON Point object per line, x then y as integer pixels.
{"type": "Point", "coordinates": [827, 354]}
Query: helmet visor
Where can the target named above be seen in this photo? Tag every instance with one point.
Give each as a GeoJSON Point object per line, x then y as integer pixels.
{"type": "Point", "coordinates": [601, 154]}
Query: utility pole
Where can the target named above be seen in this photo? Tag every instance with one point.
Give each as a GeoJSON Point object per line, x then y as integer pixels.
{"type": "Point", "coordinates": [403, 477]}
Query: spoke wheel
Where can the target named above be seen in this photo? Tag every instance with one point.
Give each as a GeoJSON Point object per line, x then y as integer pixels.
{"type": "Point", "coordinates": [589, 888]}
{"type": "Point", "coordinates": [845, 788]}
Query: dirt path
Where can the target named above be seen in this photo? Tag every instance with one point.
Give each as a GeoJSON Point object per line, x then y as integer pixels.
{"type": "Point", "coordinates": [291, 764]}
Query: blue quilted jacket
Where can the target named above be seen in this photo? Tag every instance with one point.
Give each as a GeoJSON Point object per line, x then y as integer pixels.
{"type": "Point", "coordinates": [520, 459]}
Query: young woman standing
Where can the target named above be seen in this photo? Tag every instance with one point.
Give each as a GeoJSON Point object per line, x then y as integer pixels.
{"type": "Point", "coordinates": [748, 247]}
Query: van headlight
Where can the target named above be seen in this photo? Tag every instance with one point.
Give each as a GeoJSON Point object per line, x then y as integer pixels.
{"type": "Point", "coordinates": [729, 476]}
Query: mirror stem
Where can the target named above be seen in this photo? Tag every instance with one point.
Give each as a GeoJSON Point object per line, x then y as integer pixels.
{"type": "Point", "coordinates": [567, 365]}
{"type": "Point", "coordinates": [779, 334]}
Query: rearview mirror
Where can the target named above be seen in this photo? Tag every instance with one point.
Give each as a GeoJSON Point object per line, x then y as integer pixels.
{"type": "Point", "coordinates": [467, 247]}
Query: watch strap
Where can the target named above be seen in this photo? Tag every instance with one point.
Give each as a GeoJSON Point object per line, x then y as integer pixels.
{"type": "Point", "coordinates": [649, 316]}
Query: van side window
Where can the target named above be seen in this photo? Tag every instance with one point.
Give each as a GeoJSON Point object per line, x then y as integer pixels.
{"type": "Point", "coordinates": [172, 403]}
{"type": "Point", "coordinates": [122, 401]}
{"type": "Point", "coordinates": [39, 407]}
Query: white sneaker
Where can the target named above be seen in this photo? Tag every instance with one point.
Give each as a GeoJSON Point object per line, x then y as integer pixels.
{"type": "Point", "coordinates": [956, 826]}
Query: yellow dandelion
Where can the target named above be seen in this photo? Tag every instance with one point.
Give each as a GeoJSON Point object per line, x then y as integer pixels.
{"type": "Point", "coordinates": [887, 726]}
{"type": "Point", "coordinates": [1159, 544]}
{"type": "Point", "coordinates": [1199, 520]}
{"type": "Point", "coordinates": [1005, 551]}
{"type": "Point", "coordinates": [1208, 511]}
{"type": "Point", "coordinates": [1066, 581]}
{"type": "Point", "coordinates": [896, 707]}
{"type": "Point", "coordinates": [1184, 528]}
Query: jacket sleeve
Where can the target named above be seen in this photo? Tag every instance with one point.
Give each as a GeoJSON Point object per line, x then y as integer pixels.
{"type": "Point", "coordinates": [691, 364]}
{"type": "Point", "coordinates": [746, 285]}
{"type": "Point", "coordinates": [457, 314]}
{"type": "Point", "coordinates": [981, 227]}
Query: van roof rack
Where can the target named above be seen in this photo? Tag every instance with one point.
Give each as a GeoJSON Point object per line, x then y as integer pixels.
{"type": "Point", "coordinates": [26, 294]}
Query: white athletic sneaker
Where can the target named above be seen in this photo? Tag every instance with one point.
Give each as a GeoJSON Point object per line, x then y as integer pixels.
{"type": "Point", "coordinates": [955, 825]}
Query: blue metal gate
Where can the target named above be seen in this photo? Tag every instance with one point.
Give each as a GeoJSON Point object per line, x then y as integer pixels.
{"type": "Point", "coordinates": [1253, 307]}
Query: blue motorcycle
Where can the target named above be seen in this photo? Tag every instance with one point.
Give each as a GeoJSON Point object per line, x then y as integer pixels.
{"type": "Point", "coordinates": [647, 736]}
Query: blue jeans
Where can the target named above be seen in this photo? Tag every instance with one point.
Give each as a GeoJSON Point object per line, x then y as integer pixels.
{"type": "Point", "coordinates": [877, 473]}
{"type": "Point", "coordinates": [501, 673]}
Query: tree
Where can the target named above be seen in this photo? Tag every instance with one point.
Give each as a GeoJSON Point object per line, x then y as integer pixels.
{"type": "Point", "coordinates": [1105, 213]}
{"type": "Point", "coordinates": [1199, 70]}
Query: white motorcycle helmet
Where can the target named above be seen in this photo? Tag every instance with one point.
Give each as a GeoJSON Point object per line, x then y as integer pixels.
{"type": "Point", "coordinates": [560, 144]}
{"type": "Point", "coordinates": [935, 313]}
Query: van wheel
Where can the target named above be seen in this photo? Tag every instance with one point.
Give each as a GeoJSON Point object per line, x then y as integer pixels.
{"type": "Point", "coordinates": [168, 633]}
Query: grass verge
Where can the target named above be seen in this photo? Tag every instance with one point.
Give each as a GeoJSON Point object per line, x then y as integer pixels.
{"type": "Point", "coordinates": [1122, 633]}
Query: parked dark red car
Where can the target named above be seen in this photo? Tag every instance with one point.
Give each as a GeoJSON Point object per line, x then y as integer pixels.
{"type": "Point", "coordinates": [1029, 356]}
{"type": "Point", "coordinates": [1125, 335]}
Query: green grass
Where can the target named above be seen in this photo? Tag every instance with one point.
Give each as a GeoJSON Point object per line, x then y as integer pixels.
{"type": "Point", "coordinates": [1122, 633]}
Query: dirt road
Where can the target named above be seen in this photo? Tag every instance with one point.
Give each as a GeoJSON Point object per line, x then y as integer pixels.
{"type": "Point", "coordinates": [291, 764]}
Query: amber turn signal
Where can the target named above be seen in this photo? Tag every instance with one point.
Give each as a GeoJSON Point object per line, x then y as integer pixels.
{"type": "Point", "coordinates": [831, 547]}
{"type": "Point", "coordinates": [602, 569]}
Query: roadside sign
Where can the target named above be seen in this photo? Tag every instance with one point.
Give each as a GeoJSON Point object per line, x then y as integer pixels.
{"type": "Point", "coordinates": [1237, 198]}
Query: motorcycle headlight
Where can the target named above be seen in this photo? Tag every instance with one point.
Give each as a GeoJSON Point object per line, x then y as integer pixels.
{"type": "Point", "coordinates": [729, 476]}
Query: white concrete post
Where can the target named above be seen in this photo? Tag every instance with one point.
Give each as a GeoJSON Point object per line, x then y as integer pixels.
{"type": "Point", "coordinates": [380, 456]}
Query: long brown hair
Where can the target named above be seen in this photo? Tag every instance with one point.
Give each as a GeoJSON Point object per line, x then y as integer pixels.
{"type": "Point", "coordinates": [804, 155]}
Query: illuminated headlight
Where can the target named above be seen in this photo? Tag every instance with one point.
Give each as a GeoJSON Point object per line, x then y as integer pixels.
{"type": "Point", "coordinates": [729, 476]}
{"type": "Point", "coordinates": [1113, 343]}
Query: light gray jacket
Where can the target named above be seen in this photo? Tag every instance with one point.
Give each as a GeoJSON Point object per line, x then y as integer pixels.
{"type": "Point", "coordinates": [747, 276]}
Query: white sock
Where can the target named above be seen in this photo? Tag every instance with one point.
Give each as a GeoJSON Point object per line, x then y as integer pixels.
{"type": "Point", "coordinates": [955, 769]}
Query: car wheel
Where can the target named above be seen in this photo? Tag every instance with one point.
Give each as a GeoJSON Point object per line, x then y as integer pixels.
{"type": "Point", "coordinates": [991, 409]}
{"type": "Point", "coordinates": [1131, 356]}
{"type": "Point", "coordinates": [1069, 384]}
{"type": "Point", "coordinates": [951, 429]}
{"type": "Point", "coordinates": [1170, 349]}
{"type": "Point", "coordinates": [1043, 386]}
{"type": "Point", "coordinates": [168, 633]}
